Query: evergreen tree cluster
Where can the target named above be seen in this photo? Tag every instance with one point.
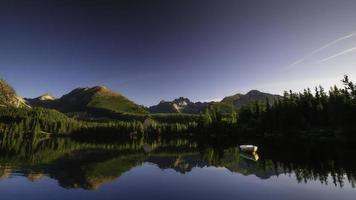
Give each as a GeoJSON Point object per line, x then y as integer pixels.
{"type": "Point", "coordinates": [36, 119]}
{"type": "Point", "coordinates": [41, 120]}
{"type": "Point", "coordinates": [333, 110]}
{"type": "Point", "coordinates": [218, 117]}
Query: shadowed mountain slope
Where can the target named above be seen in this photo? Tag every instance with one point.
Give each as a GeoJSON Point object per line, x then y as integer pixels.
{"type": "Point", "coordinates": [239, 100]}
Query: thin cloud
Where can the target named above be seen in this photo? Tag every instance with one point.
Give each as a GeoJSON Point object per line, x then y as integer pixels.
{"type": "Point", "coordinates": [338, 54]}
{"type": "Point", "coordinates": [321, 49]}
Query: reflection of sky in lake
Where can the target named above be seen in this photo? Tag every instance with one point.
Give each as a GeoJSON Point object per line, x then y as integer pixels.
{"type": "Point", "coordinates": [148, 181]}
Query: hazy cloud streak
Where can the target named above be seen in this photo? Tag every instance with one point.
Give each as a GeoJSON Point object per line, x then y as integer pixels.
{"type": "Point", "coordinates": [338, 54]}
{"type": "Point", "coordinates": [320, 49]}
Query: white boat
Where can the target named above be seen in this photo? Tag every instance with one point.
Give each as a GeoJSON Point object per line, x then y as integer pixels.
{"type": "Point", "coordinates": [248, 148]}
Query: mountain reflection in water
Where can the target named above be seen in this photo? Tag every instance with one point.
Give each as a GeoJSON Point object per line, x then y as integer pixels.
{"type": "Point", "coordinates": [88, 165]}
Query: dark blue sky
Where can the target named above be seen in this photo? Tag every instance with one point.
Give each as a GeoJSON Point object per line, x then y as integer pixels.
{"type": "Point", "coordinates": [153, 50]}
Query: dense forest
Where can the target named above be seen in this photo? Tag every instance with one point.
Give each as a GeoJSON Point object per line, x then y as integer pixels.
{"type": "Point", "coordinates": [334, 110]}
{"type": "Point", "coordinates": [47, 121]}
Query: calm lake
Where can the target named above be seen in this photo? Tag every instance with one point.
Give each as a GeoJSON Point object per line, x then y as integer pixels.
{"type": "Point", "coordinates": [176, 168]}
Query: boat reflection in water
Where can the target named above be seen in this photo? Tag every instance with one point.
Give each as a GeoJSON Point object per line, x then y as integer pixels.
{"type": "Point", "coordinates": [249, 152]}
{"type": "Point", "coordinates": [252, 156]}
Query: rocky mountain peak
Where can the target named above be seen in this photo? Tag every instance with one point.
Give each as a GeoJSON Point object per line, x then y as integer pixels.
{"type": "Point", "coordinates": [46, 97]}
{"type": "Point", "coordinates": [182, 101]}
{"type": "Point", "coordinates": [8, 96]}
{"type": "Point", "coordinates": [254, 92]}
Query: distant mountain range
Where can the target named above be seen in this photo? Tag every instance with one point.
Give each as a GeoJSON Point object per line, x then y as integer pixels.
{"type": "Point", "coordinates": [180, 105]}
{"type": "Point", "coordinates": [184, 105]}
{"type": "Point", "coordinates": [100, 98]}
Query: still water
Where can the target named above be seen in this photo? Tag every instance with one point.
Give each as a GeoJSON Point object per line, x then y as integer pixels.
{"type": "Point", "coordinates": [176, 168]}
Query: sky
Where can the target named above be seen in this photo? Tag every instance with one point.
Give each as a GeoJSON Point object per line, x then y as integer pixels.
{"type": "Point", "coordinates": [158, 50]}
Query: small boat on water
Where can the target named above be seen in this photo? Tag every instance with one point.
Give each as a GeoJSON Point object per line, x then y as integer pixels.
{"type": "Point", "coordinates": [248, 148]}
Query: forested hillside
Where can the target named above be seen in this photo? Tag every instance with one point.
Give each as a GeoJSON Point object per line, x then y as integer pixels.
{"type": "Point", "coordinates": [308, 110]}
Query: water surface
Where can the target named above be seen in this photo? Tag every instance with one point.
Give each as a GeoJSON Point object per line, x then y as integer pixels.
{"type": "Point", "coordinates": [176, 168]}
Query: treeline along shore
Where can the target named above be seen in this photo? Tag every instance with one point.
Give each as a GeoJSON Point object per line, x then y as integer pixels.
{"type": "Point", "coordinates": [308, 113]}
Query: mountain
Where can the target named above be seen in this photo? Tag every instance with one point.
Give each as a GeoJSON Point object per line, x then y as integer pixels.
{"type": "Point", "coordinates": [42, 101]}
{"type": "Point", "coordinates": [89, 99]}
{"type": "Point", "coordinates": [179, 105]}
{"type": "Point", "coordinates": [184, 105]}
{"type": "Point", "coordinates": [239, 100]}
{"type": "Point", "coordinates": [46, 97]}
{"type": "Point", "coordinates": [8, 96]}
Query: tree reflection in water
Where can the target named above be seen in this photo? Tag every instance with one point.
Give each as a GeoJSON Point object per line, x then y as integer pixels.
{"type": "Point", "coordinates": [87, 164]}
